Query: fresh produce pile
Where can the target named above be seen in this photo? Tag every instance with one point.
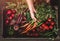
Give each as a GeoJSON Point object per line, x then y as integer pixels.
{"type": "Point", "coordinates": [19, 21]}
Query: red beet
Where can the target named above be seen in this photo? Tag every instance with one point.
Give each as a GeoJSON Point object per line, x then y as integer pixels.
{"type": "Point", "coordinates": [24, 18]}
{"type": "Point", "coordinates": [16, 28]}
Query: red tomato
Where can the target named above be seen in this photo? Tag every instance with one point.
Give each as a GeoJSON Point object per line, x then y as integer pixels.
{"type": "Point", "coordinates": [43, 25]}
{"type": "Point", "coordinates": [46, 27]}
{"type": "Point", "coordinates": [51, 27]}
{"type": "Point", "coordinates": [47, 22]}
{"type": "Point", "coordinates": [52, 23]}
{"type": "Point", "coordinates": [9, 12]}
{"type": "Point", "coordinates": [49, 19]}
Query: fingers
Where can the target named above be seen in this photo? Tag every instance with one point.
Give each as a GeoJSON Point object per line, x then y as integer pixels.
{"type": "Point", "coordinates": [34, 10]}
{"type": "Point", "coordinates": [32, 16]}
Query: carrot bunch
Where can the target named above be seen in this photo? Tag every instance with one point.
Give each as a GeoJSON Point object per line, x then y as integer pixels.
{"type": "Point", "coordinates": [29, 26]}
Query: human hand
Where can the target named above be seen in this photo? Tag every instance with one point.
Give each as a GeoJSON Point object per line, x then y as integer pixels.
{"type": "Point", "coordinates": [32, 9]}
{"type": "Point", "coordinates": [32, 12]}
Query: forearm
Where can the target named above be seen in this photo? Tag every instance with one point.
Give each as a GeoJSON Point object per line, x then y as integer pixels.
{"type": "Point", "coordinates": [30, 4]}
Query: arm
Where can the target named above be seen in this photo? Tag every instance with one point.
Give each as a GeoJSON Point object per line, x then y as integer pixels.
{"type": "Point", "coordinates": [31, 8]}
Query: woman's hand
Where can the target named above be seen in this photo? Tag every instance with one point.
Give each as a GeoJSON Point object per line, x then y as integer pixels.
{"type": "Point", "coordinates": [31, 8]}
{"type": "Point", "coordinates": [32, 12]}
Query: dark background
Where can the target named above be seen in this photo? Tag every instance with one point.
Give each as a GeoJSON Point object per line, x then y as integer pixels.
{"type": "Point", "coordinates": [43, 39]}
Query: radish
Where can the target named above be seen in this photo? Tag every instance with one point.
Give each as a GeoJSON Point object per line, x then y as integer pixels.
{"type": "Point", "coordinates": [9, 11]}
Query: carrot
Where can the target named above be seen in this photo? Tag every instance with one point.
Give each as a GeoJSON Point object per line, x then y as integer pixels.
{"type": "Point", "coordinates": [27, 29]}
{"type": "Point", "coordinates": [28, 26]}
{"type": "Point", "coordinates": [25, 25]}
{"type": "Point", "coordinates": [35, 24]}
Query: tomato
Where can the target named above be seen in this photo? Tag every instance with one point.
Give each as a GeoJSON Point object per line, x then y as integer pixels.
{"type": "Point", "coordinates": [47, 22]}
{"type": "Point", "coordinates": [51, 27]}
{"type": "Point", "coordinates": [49, 19]}
{"type": "Point", "coordinates": [46, 27]}
{"type": "Point", "coordinates": [52, 23]}
{"type": "Point", "coordinates": [43, 25]}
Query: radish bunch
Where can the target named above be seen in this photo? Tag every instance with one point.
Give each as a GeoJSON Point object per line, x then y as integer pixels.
{"type": "Point", "coordinates": [10, 15]}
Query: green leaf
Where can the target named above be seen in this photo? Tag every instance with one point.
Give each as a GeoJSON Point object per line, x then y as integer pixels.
{"type": "Point", "coordinates": [39, 23]}
{"type": "Point", "coordinates": [28, 16]}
